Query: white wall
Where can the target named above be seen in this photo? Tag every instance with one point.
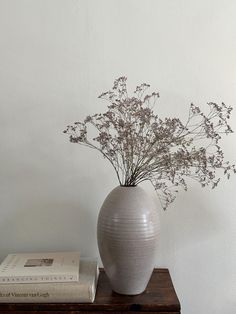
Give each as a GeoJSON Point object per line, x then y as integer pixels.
{"type": "Point", "coordinates": [56, 57]}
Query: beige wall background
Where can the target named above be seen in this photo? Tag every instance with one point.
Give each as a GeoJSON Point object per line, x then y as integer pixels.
{"type": "Point", "coordinates": [56, 57]}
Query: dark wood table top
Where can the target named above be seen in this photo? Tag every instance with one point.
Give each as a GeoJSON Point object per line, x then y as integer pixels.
{"type": "Point", "coordinates": [159, 297]}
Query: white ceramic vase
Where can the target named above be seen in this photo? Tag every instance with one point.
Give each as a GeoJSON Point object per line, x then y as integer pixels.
{"type": "Point", "coordinates": [127, 233]}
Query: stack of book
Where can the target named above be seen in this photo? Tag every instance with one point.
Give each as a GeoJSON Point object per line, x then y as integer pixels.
{"type": "Point", "coordinates": [48, 277]}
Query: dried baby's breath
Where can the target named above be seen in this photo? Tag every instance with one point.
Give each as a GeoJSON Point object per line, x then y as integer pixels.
{"type": "Point", "coordinates": [141, 146]}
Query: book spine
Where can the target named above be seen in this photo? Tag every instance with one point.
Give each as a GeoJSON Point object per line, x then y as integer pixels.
{"type": "Point", "coordinates": [38, 279]}
{"type": "Point", "coordinates": [51, 293]}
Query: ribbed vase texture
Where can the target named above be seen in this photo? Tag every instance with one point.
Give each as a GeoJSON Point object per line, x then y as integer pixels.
{"type": "Point", "coordinates": [127, 232]}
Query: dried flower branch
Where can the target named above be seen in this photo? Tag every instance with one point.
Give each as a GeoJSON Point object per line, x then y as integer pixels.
{"type": "Point", "coordinates": [141, 146]}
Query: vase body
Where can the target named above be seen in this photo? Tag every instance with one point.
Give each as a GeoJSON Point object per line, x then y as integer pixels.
{"type": "Point", "coordinates": [127, 233]}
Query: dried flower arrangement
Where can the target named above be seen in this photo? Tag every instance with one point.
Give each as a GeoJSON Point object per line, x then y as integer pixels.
{"type": "Point", "coordinates": [141, 146]}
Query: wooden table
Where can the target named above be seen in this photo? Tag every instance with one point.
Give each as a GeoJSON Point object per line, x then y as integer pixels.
{"type": "Point", "coordinates": [159, 297]}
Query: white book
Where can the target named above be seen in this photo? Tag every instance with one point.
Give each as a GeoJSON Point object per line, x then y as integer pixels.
{"type": "Point", "coordinates": [69, 292]}
{"type": "Point", "coordinates": [40, 267]}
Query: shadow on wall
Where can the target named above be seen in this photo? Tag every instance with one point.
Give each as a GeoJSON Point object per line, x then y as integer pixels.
{"type": "Point", "coordinates": [45, 226]}
{"type": "Point", "coordinates": [198, 216]}
{"type": "Point", "coordinates": [191, 220]}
